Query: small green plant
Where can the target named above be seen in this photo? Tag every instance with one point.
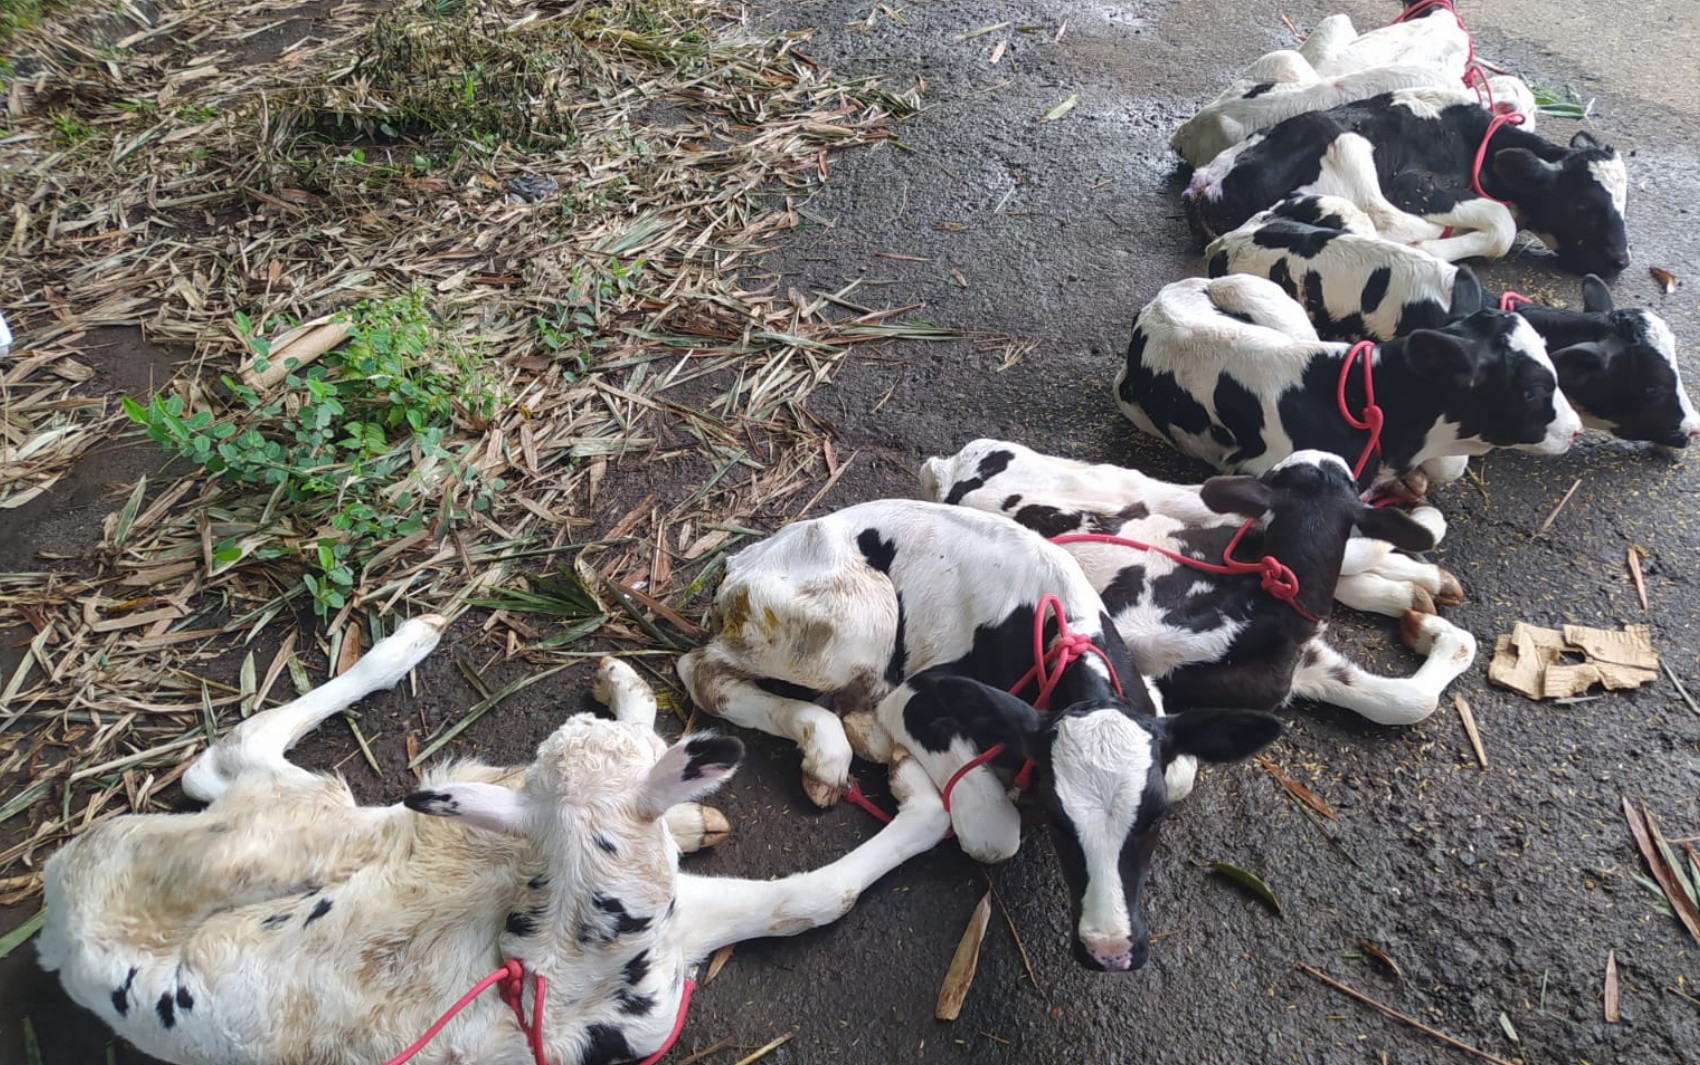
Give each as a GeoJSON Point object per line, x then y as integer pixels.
{"type": "Point", "coordinates": [572, 330]}
{"type": "Point", "coordinates": [356, 447]}
{"type": "Point", "coordinates": [71, 131]}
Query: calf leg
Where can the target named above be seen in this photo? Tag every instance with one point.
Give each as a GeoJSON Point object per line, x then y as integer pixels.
{"type": "Point", "coordinates": [716, 912]}
{"type": "Point", "coordinates": [258, 745]}
{"type": "Point", "coordinates": [1326, 676]}
{"type": "Point", "coordinates": [1348, 170]}
{"type": "Point", "coordinates": [721, 688]}
{"type": "Point", "coordinates": [618, 687]}
{"type": "Point", "coordinates": [1328, 39]}
{"type": "Point", "coordinates": [1480, 227]}
{"type": "Point", "coordinates": [986, 822]}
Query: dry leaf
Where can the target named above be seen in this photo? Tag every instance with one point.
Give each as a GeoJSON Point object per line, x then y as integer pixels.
{"type": "Point", "coordinates": [716, 963]}
{"type": "Point", "coordinates": [1383, 957]}
{"type": "Point", "coordinates": [1644, 830]}
{"type": "Point", "coordinates": [1294, 788]}
{"type": "Point", "coordinates": [1635, 553]}
{"type": "Point", "coordinates": [1061, 109]}
{"type": "Point", "coordinates": [1251, 881]}
{"type": "Point", "coordinates": [1469, 719]}
{"type": "Point", "coordinates": [960, 976]}
{"type": "Point", "coordinates": [1665, 278]}
{"type": "Point", "coordinates": [1612, 1014]}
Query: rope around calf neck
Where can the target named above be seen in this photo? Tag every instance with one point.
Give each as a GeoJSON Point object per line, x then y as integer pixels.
{"type": "Point", "coordinates": [1372, 417]}
{"type": "Point", "coordinates": [510, 980]}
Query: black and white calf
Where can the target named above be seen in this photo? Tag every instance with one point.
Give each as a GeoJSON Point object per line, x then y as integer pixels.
{"type": "Point", "coordinates": [1219, 640]}
{"type": "Point", "coordinates": [1231, 371]}
{"type": "Point", "coordinates": [1406, 158]}
{"type": "Point", "coordinates": [1617, 367]}
{"type": "Point", "coordinates": [286, 924]}
{"type": "Point", "coordinates": [914, 619]}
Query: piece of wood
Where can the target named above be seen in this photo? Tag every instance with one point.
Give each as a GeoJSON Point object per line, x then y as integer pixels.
{"type": "Point", "coordinates": [960, 976]}
{"type": "Point", "coordinates": [1545, 525]}
{"type": "Point", "coordinates": [1611, 1001]}
{"type": "Point", "coordinates": [295, 350]}
{"type": "Point", "coordinates": [1298, 791]}
{"type": "Point", "coordinates": [1396, 1015]}
{"type": "Point", "coordinates": [1469, 719]}
{"type": "Point", "coordinates": [1635, 573]}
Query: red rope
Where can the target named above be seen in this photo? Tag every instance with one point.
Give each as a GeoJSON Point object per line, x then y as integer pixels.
{"type": "Point", "coordinates": [511, 977]}
{"type": "Point", "coordinates": [1372, 417]}
{"type": "Point", "coordinates": [1275, 577]}
{"type": "Point", "coordinates": [1510, 118]}
{"type": "Point", "coordinates": [510, 980]}
{"type": "Point", "coordinates": [1512, 300]}
{"type": "Point", "coordinates": [1048, 668]}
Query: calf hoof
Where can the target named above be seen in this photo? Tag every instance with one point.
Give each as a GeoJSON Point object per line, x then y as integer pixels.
{"type": "Point", "coordinates": [1419, 631]}
{"type": "Point", "coordinates": [1421, 601]}
{"type": "Point", "coordinates": [1451, 592]}
{"type": "Point", "coordinates": [715, 827]}
{"type": "Point", "coordinates": [821, 793]}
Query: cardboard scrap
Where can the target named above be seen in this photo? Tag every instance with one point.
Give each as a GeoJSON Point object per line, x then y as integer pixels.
{"type": "Point", "coordinates": [1531, 661]}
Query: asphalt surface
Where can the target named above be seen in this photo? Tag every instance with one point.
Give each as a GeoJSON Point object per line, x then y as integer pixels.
{"type": "Point", "coordinates": [1497, 892]}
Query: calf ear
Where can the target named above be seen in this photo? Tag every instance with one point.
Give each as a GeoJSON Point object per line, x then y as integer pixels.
{"type": "Point", "coordinates": [486, 806]}
{"type": "Point", "coordinates": [1468, 296]}
{"type": "Point", "coordinates": [1579, 362]}
{"type": "Point", "coordinates": [1218, 735]}
{"type": "Point", "coordinates": [1441, 355]}
{"type": "Point", "coordinates": [990, 710]}
{"type": "Point", "coordinates": [691, 768]}
{"type": "Point", "coordinates": [1523, 170]}
{"type": "Point", "coordinates": [1394, 526]}
{"type": "Point", "coordinates": [1242, 495]}
{"type": "Point", "coordinates": [1596, 297]}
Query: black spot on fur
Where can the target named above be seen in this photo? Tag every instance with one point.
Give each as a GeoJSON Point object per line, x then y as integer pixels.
{"type": "Point", "coordinates": [1169, 406]}
{"type": "Point", "coordinates": [167, 1011]}
{"type": "Point", "coordinates": [275, 920]}
{"type": "Point", "coordinates": [121, 995]}
{"type": "Point", "coordinates": [1283, 277]}
{"type": "Point", "coordinates": [320, 908]}
{"type": "Point", "coordinates": [605, 1044]}
{"type": "Point", "coordinates": [786, 690]}
{"type": "Point", "coordinates": [1011, 502]}
{"type": "Point", "coordinates": [185, 1001]}
{"type": "Point", "coordinates": [898, 663]}
{"type": "Point", "coordinates": [1375, 288]}
{"type": "Point", "coordinates": [1302, 239]}
{"type": "Point", "coordinates": [1047, 521]}
{"type": "Point", "coordinates": [632, 1004]}
{"type": "Point", "coordinates": [432, 802]}
{"type": "Point", "coordinates": [1311, 655]}
{"type": "Point", "coordinates": [879, 553]}
{"type": "Point", "coordinates": [1258, 90]}
{"type": "Point", "coordinates": [710, 752]}
{"type": "Point", "coordinates": [635, 970]}
{"type": "Point", "coordinates": [624, 923]}
{"type": "Point", "coordinates": [1238, 316]}
{"type": "Point", "coordinates": [1218, 265]}
{"type": "Point", "coordinates": [990, 466]}
{"type": "Point", "coordinates": [519, 924]}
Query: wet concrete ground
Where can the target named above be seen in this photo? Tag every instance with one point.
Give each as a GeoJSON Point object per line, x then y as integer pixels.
{"type": "Point", "coordinates": [1498, 892]}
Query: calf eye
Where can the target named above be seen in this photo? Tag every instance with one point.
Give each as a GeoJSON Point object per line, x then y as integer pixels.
{"type": "Point", "coordinates": [1650, 392]}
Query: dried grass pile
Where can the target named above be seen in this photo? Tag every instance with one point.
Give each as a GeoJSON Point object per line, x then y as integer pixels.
{"type": "Point", "coordinates": [542, 207]}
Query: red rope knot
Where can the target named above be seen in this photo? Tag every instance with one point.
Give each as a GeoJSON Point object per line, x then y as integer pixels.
{"type": "Point", "coordinates": [1371, 418]}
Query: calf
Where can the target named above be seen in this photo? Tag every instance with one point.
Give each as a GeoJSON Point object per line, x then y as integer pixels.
{"type": "Point", "coordinates": [916, 619]}
{"type": "Point", "coordinates": [1407, 158]}
{"type": "Point", "coordinates": [1219, 640]}
{"type": "Point", "coordinates": [1618, 368]}
{"type": "Point", "coordinates": [286, 924]}
{"type": "Point", "coordinates": [1231, 371]}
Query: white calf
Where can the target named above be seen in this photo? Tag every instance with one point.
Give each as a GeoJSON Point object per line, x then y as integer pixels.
{"type": "Point", "coordinates": [286, 924]}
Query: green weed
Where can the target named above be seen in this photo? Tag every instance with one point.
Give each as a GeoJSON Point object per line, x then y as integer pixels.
{"type": "Point", "coordinates": [353, 447]}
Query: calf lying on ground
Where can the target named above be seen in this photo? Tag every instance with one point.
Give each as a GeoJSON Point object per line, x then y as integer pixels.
{"type": "Point", "coordinates": [1618, 368]}
{"type": "Point", "coordinates": [915, 619]}
{"type": "Point", "coordinates": [1407, 159]}
{"type": "Point", "coordinates": [286, 924]}
{"type": "Point", "coordinates": [1231, 371]}
{"type": "Point", "coordinates": [1220, 640]}
{"type": "Point", "coordinates": [1432, 39]}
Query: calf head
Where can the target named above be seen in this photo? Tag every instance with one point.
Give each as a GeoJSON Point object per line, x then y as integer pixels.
{"type": "Point", "coordinates": [1497, 382]}
{"type": "Point", "coordinates": [1575, 205]}
{"type": "Point", "coordinates": [603, 864]}
{"type": "Point", "coordinates": [1313, 505]}
{"type": "Point", "coordinates": [1099, 776]}
{"type": "Point", "coordinates": [1626, 380]}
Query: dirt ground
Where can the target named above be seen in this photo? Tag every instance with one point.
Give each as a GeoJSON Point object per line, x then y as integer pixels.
{"type": "Point", "coordinates": [1497, 892]}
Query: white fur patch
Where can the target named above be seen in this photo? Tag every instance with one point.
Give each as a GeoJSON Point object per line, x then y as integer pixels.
{"type": "Point", "coordinates": [1101, 764]}
{"type": "Point", "coordinates": [1613, 176]}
